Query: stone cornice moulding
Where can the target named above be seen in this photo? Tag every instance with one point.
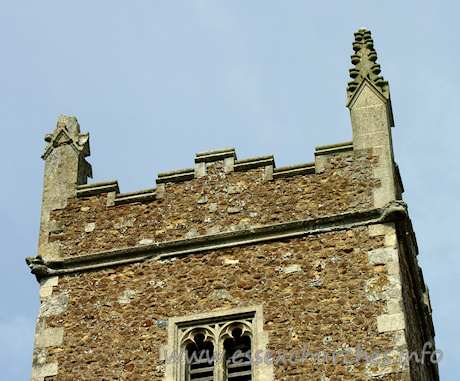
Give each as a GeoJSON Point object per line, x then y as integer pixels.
{"type": "Point", "coordinates": [394, 211]}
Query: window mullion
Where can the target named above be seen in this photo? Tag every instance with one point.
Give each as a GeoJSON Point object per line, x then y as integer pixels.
{"type": "Point", "coordinates": [219, 365]}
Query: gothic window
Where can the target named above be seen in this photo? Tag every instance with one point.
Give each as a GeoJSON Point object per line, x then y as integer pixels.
{"type": "Point", "coordinates": [216, 346]}
{"type": "Point", "coordinates": [238, 352]}
{"type": "Point", "coordinates": [200, 365]}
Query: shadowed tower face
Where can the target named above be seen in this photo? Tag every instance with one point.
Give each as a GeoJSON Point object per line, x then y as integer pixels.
{"type": "Point", "coordinates": [236, 270]}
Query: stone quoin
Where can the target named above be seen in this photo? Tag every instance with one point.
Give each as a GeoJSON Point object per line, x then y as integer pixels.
{"type": "Point", "coordinates": [235, 255]}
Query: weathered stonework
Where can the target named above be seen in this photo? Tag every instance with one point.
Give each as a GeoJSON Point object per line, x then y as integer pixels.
{"type": "Point", "coordinates": [295, 312]}
{"type": "Point", "coordinates": [314, 257]}
{"type": "Point", "coordinates": [224, 202]}
{"type": "Point", "coordinates": [47, 339]}
{"type": "Point", "coordinates": [65, 168]}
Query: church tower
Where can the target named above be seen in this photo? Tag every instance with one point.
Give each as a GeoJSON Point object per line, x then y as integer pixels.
{"type": "Point", "coordinates": [236, 270]}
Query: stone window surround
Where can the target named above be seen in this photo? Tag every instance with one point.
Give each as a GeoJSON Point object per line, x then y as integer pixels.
{"type": "Point", "coordinates": [178, 327]}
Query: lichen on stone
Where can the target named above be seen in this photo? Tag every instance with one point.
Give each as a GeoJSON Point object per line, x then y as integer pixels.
{"type": "Point", "coordinates": [364, 59]}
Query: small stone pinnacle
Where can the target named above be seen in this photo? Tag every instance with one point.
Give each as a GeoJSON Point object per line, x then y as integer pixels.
{"type": "Point", "coordinates": [365, 65]}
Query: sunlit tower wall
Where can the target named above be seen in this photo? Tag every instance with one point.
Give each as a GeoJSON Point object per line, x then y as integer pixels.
{"type": "Point", "coordinates": [312, 261]}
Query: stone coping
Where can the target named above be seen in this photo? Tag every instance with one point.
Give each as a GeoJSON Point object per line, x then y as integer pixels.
{"type": "Point", "coordinates": [394, 211]}
{"type": "Point", "coordinates": [188, 174]}
{"type": "Point", "coordinates": [215, 151]}
{"type": "Point", "coordinates": [294, 170]}
{"type": "Point", "coordinates": [334, 148]}
{"type": "Point", "coordinates": [177, 172]}
{"type": "Point", "coordinates": [254, 162]}
{"type": "Point", "coordinates": [97, 188]}
{"type": "Point", "coordinates": [140, 196]}
{"type": "Point", "coordinates": [215, 155]}
{"type": "Point", "coordinates": [176, 176]}
{"type": "Point", "coordinates": [122, 195]}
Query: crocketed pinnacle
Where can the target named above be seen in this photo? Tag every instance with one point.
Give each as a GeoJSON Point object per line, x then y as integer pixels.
{"type": "Point", "coordinates": [364, 59]}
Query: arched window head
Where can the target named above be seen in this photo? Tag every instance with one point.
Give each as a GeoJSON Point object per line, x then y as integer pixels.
{"type": "Point", "coordinates": [217, 346]}
{"type": "Point", "coordinates": [199, 351]}
{"type": "Point", "coordinates": [238, 351]}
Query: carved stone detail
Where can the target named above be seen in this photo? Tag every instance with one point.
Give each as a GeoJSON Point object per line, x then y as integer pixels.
{"type": "Point", "coordinates": [67, 132]}
{"type": "Point", "coordinates": [364, 59]}
{"type": "Point", "coordinates": [215, 328]}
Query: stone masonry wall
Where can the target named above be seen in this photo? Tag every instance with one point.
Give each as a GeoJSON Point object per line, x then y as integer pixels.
{"type": "Point", "coordinates": [312, 291]}
{"type": "Point", "coordinates": [318, 256]}
{"type": "Point", "coordinates": [216, 203]}
{"type": "Point", "coordinates": [418, 324]}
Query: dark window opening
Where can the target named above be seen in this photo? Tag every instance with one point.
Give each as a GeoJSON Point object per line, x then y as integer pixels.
{"type": "Point", "coordinates": [200, 365]}
{"type": "Point", "coordinates": [238, 355]}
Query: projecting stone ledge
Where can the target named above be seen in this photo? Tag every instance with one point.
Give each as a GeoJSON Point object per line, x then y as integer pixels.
{"type": "Point", "coordinates": [396, 211]}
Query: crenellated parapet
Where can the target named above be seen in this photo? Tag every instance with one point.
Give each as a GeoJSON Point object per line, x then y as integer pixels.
{"type": "Point", "coordinates": [215, 163]}
{"type": "Point", "coordinates": [237, 247]}
{"type": "Point", "coordinates": [253, 194]}
{"type": "Point", "coordinates": [364, 59]}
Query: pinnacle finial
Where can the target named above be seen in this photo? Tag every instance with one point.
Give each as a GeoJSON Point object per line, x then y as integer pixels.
{"type": "Point", "coordinates": [67, 132]}
{"type": "Point", "coordinates": [364, 59]}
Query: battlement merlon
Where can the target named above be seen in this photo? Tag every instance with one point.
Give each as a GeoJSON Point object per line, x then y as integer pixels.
{"type": "Point", "coordinates": [267, 163]}
{"type": "Point", "coordinates": [368, 98]}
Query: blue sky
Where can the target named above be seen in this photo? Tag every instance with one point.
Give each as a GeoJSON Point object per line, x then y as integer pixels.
{"type": "Point", "coordinates": [154, 82]}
